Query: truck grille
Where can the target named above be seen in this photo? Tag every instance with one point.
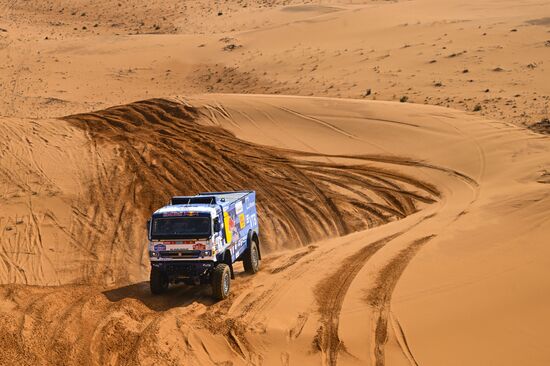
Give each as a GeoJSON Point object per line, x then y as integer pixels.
{"type": "Point", "coordinates": [180, 254]}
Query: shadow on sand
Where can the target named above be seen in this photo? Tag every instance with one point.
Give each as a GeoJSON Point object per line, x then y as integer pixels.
{"type": "Point", "coordinates": [176, 296]}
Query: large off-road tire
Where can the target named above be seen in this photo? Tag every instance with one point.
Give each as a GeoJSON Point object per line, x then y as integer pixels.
{"type": "Point", "coordinates": [158, 281]}
{"type": "Point", "coordinates": [221, 281]}
{"type": "Point", "coordinates": [251, 259]}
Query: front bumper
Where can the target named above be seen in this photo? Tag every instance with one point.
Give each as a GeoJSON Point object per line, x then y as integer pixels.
{"type": "Point", "coordinates": [184, 269]}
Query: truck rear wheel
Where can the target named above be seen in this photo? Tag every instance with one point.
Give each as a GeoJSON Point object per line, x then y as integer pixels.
{"type": "Point", "coordinates": [221, 281]}
{"type": "Point", "coordinates": [158, 281]}
{"type": "Point", "coordinates": [251, 260]}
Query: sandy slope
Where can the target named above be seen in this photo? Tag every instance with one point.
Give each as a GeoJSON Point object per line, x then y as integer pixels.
{"type": "Point", "coordinates": [397, 233]}
{"type": "Point", "coordinates": [476, 280]}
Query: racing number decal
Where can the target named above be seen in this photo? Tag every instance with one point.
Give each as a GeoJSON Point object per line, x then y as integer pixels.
{"type": "Point", "coordinates": [242, 221]}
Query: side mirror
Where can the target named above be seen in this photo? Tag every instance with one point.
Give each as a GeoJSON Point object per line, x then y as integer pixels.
{"type": "Point", "coordinates": [217, 226]}
{"type": "Point", "coordinates": [148, 228]}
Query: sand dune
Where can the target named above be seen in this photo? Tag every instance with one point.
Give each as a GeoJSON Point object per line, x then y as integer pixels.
{"type": "Point", "coordinates": [394, 232]}
{"type": "Point", "coordinates": [371, 296]}
{"type": "Point", "coordinates": [128, 160]}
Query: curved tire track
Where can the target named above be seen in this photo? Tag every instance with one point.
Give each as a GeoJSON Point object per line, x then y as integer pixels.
{"type": "Point", "coordinates": [379, 297]}
{"type": "Point", "coordinates": [330, 294]}
{"type": "Point", "coordinates": [163, 150]}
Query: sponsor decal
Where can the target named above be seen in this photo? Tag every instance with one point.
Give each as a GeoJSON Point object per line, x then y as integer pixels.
{"type": "Point", "coordinates": [239, 207]}
{"type": "Point", "coordinates": [253, 220]}
{"type": "Point", "coordinates": [229, 224]}
{"type": "Point", "coordinates": [178, 242]}
{"type": "Point", "coordinates": [160, 247]}
{"type": "Point", "coordinates": [199, 247]}
{"type": "Point", "coordinates": [242, 221]}
{"type": "Point", "coordinates": [168, 214]}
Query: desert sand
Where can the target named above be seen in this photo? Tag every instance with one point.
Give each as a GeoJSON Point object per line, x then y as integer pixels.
{"type": "Point", "coordinates": [399, 150]}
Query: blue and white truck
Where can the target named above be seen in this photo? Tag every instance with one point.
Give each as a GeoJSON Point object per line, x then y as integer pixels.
{"type": "Point", "coordinates": [197, 239]}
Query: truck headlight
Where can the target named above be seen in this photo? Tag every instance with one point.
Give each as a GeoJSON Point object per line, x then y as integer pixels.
{"type": "Point", "coordinates": [153, 254]}
{"type": "Point", "coordinates": [206, 253]}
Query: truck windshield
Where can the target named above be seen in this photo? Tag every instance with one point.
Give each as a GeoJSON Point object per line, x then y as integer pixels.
{"type": "Point", "coordinates": [181, 228]}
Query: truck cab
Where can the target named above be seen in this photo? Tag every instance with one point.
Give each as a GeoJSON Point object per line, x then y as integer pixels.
{"type": "Point", "coordinates": [197, 239]}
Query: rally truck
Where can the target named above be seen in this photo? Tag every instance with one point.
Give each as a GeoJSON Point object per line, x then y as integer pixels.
{"type": "Point", "coordinates": [197, 239]}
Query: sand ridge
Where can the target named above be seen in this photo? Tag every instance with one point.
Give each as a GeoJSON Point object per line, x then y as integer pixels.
{"type": "Point", "coordinates": [393, 233]}
{"type": "Point", "coordinates": [134, 156]}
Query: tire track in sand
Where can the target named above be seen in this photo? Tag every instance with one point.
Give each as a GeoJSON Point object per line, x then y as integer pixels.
{"type": "Point", "coordinates": [159, 148]}
{"type": "Point", "coordinates": [145, 152]}
{"type": "Point", "coordinates": [330, 295]}
{"type": "Point", "coordinates": [379, 298]}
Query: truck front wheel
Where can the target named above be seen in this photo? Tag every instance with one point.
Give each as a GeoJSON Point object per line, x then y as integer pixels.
{"type": "Point", "coordinates": [221, 281]}
{"type": "Point", "coordinates": [158, 281]}
{"type": "Point", "coordinates": [251, 260]}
